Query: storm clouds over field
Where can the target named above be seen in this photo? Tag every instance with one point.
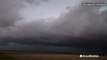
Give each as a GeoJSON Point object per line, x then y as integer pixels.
{"type": "Point", "coordinates": [52, 24]}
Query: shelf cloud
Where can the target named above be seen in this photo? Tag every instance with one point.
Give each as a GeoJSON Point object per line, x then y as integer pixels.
{"type": "Point", "coordinates": [78, 26]}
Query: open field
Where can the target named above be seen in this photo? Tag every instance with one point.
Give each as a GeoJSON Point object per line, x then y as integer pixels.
{"type": "Point", "coordinates": [45, 56]}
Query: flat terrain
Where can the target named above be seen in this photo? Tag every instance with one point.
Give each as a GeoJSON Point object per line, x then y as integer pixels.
{"type": "Point", "coordinates": [45, 56]}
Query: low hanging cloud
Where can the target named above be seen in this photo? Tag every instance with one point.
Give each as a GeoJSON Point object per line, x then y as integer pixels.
{"type": "Point", "coordinates": [79, 27]}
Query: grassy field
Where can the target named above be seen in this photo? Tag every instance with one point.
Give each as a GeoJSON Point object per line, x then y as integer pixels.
{"type": "Point", "coordinates": [45, 56]}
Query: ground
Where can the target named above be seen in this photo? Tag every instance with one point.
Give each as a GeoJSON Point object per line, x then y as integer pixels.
{"type": "Point", "coordinates": [45, 56]}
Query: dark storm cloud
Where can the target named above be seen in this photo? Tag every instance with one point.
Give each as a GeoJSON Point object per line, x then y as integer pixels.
{"type": "Point", "coordinates": [86, 26]}
{"type": "Point", "coordinates": [79, 27]}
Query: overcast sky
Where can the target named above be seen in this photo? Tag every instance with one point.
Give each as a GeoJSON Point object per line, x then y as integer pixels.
{"type": "Point", "coordinates": [52, 25]}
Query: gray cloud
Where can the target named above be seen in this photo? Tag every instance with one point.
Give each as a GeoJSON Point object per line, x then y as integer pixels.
{"type": "Point", "coordinates": [36, 1]}
{"type": "Point", "coordinates": [80, 26]}
{"type": "Point", "coordinates": [8, 12]}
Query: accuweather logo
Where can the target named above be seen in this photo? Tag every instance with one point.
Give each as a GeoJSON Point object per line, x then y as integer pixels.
{"type": "Point", "coordinates": [89, 55]}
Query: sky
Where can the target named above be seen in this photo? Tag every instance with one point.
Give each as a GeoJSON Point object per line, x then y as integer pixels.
{"type": "Point", "coordinates": [52, 25]}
